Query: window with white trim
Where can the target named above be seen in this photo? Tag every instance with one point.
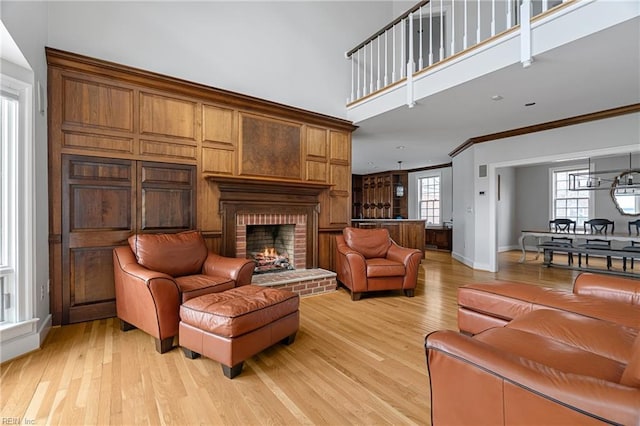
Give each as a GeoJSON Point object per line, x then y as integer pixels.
{"type": "Point", "coordinates": [429, 199]}
{"type": "Point", "coordinates": [568, 204]}
{"type": "Point", "coordinates": [9, 124]}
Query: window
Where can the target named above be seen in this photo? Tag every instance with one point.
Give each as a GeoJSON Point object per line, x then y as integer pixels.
{"type": "Point", "coordinates": [429, 199]}
{"type": "Point", "coordinates": [9, 107]}
{"type": "Point", "coordinates": [569, 204]}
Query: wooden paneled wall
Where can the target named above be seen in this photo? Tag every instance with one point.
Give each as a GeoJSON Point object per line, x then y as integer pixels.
{"type": "Point", "coordinates": [134, 151]}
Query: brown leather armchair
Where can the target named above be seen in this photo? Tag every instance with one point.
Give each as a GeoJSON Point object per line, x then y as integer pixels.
{"type": "Point", "coordinates": [369, 260]}
{"type": "Point", "coordinates": [156, 273]}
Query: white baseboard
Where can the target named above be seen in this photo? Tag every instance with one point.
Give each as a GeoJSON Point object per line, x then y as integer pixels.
{"type": "Point", "coordinates": [20, 343]}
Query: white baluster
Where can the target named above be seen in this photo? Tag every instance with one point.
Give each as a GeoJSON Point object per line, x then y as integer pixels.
{"type": "Point", "coordinates": [371, 79]}
{"type": "Point", "coordinates": [403, 48]}
{"type": "Point", "coordinates": [378, 82]}
{"type": "Point", "coordinates": [386, 59]}
{"type": "Point", "coordinates": [545, 5]}
{"type": "Point", "coordinates": [493, 18]}
{"type": "Point", "coordinates": [478, 33]}
{"type": "Point", "coordinates": [464, 35]}
{"type": "Point", "coordinates": [430, 34]}
{"type": "Point", "coordinates": [509, 15]}
{"type": "Point", "coordinates": [358, 85]}
{"type": "Point", "coordinates": [420, 60]}
{"type": "Point", "coordinates": [364, 70]}
{"type": "Point", "coordinates": [441, 31]}
{"type": "Point", "coordinates": [453, 27]}
{"type": "Point", "coordinates": [393, 72]}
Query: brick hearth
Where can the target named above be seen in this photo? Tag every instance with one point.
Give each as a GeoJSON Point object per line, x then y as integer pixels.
{"type": "Point", "coordinates": [305, 282]}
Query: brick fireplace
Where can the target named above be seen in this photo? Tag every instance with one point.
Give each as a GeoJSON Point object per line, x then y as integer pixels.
{"type": "Point", "coordinates": [291, 230]}
{"type": "Point", "coordinates": [246, 202]}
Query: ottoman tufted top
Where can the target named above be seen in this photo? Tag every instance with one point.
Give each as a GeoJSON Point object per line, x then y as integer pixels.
{"type": "Point", "coordinates": [240, 310]}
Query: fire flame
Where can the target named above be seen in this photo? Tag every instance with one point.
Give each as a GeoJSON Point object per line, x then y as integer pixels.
{"type": "Point", "coordinates": [270, 252]}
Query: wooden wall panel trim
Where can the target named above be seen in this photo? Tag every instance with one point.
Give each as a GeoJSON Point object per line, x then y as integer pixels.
{"type": "Point", "coordinates": [167, 116]}
{"type": "Point", "coordinates": [270, 148]}
{"type": "Point", "coordinates": [100, 143]}
{"type": "Point", "coordinates": [72, 61]}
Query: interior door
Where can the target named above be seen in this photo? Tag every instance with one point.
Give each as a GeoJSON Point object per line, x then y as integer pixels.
{"type": "Point", "coordinates": [98, 213]}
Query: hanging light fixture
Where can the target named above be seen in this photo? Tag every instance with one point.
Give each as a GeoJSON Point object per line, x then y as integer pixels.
{"type": "Point", "coordinates": [594, 180]}
{"type": "Point", "coordinates": [399, 186]}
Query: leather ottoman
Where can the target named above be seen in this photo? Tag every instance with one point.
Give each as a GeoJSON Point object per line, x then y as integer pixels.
{"type": "Point", "coordinates": [236, 324]}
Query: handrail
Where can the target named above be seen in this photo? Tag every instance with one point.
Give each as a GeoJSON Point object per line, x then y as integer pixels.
{"type": "Point", "coordinates": [432, 32]}
{"type": "Point", "coordinates": [386, 28]}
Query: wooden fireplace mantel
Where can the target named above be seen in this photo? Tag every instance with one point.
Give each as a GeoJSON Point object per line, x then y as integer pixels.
{"type": "Point", "coordinates": [234, 184]}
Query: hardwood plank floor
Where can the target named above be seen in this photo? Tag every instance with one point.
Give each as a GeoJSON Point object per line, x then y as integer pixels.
{"type": "Point", "coordinates": [352, 363]}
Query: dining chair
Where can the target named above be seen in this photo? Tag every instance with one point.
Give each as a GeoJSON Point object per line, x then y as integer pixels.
{"type": "Point", "coordinates": [635, 245]}
{"type": "Point", "coordinates": [597, 226]}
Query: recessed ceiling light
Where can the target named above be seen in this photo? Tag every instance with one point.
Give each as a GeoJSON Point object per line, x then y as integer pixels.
{"type": "Point", "coordinates": [530, 104]}
{"type": "Point", "coordinates": [497, 98]}
{"type": "Point", "coordinates": [400, 147]}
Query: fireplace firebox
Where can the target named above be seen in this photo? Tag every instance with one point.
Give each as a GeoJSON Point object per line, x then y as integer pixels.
{"type": "Point", "coordinates": [271, 247]}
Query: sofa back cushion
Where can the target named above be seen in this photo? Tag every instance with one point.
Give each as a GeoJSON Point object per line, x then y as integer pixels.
{"type": "Point", "coordinates": [173, 254]}
{"type": "Point", "coordinates": [369, 242]}
{"type": "Point", "coordinates": [631, 374]}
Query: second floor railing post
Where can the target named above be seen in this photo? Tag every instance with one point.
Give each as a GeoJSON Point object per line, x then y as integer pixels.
{"type": "Point", "coordinates": [525, 33]}
{"type": "Point", "coordinates": [410, 64]}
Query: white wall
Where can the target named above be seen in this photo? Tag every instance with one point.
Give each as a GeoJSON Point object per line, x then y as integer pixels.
{"type": "Point", "coordinates": [27, 25]}
{"type": "Point", "coordinates": [287, 52]}
{"type": "Point", "coordinates": [596, 138]}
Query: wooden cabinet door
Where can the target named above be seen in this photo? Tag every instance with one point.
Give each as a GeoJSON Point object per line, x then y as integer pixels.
{"type": "Point", "coordinates": [104, 201]}
{"type": "Point", "coordinates": [98, 213]}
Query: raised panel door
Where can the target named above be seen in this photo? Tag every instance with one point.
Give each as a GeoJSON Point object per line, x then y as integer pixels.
{"type": "Point", "coordinates": [98, 213]}
{"type": "Point", "coordinates": [167, 197]}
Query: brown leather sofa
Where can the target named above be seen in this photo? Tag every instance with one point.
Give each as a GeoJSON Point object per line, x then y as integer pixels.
{"type": "Point", "coordinates": [557, 358]}
{"type": "Point", "coordinates": [369, 260]}
{"type": "Point", "coordinates": [156, 273]}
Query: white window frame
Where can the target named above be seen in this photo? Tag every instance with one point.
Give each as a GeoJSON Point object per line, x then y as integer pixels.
{"type": "Point", "coordinates": [18, 212]}
{"type": "Point", "coordinates": [419, 196]}
{"type": "Point", "coordinates": [552, 193]}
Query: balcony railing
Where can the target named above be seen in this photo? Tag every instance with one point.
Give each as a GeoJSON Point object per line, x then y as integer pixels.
{"type": "Point", "coordinates": [430, 33]}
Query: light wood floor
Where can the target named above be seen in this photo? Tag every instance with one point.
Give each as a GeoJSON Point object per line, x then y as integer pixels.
{"type": "Point", "coordinates": [352, 363]}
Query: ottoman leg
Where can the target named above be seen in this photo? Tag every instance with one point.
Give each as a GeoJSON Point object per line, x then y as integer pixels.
{"type": "Point", "coordinates": [231, 372]}
{"type": "Point", "coordinates": [409, 292]}
{"type": "Point", "coordinates": [190, 354]}
{"type": "Point", "coordinates": [289, 339]}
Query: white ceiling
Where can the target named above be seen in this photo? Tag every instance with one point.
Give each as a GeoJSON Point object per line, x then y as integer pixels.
{"type": "Point", "coordinates": [595, 73]}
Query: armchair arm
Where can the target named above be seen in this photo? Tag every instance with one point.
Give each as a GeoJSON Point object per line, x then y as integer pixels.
{"type": "Point", "coordinates": [411, 259]}
{"type": "Point", "coordinates": [607, 287]}
{"type": "Point", "coordinates": [148, 299]}
{"type": "Point", "coordinates": [351, 266]}
{"type": "Point", "coordinates": [496, 386]}
{"type": "Point", "coordinates": [238, 269]}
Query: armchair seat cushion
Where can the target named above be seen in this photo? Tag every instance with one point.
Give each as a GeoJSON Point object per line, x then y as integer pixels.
{"type": "Point", "coordinates": [196, 285]}
{"type": "Point", "coordinates": [378, 267]}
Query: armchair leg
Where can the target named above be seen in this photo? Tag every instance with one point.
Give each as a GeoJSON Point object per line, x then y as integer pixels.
{"type": "Point", "coordinates": [231, 372]}
{"type": "Point", "coordinates": [125, 326]}
{"type": "Point", "coordinates": [164, 345]}
{"type": "Point", "coordinates": [409, 292]}
{"type": "Point", "coordinates": [355, 296]}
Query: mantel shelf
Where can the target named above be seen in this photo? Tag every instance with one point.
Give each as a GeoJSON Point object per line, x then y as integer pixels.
{"type": "Point", "coordinates": [271, 185]}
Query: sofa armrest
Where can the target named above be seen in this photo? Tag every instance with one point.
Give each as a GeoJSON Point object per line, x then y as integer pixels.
{"type": "Point", "coordinates": [503, 388]}
{"type": "Point", "coordinates": [235, 268]}
{"type": "Point", "coordinates": [351, 266]}
{"type": "Point", "coordinates": [150, 300]}
{"type": "Point", "coordinates": [608, 287]}
{"type": "Point", "coordinates": [410, 258]}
